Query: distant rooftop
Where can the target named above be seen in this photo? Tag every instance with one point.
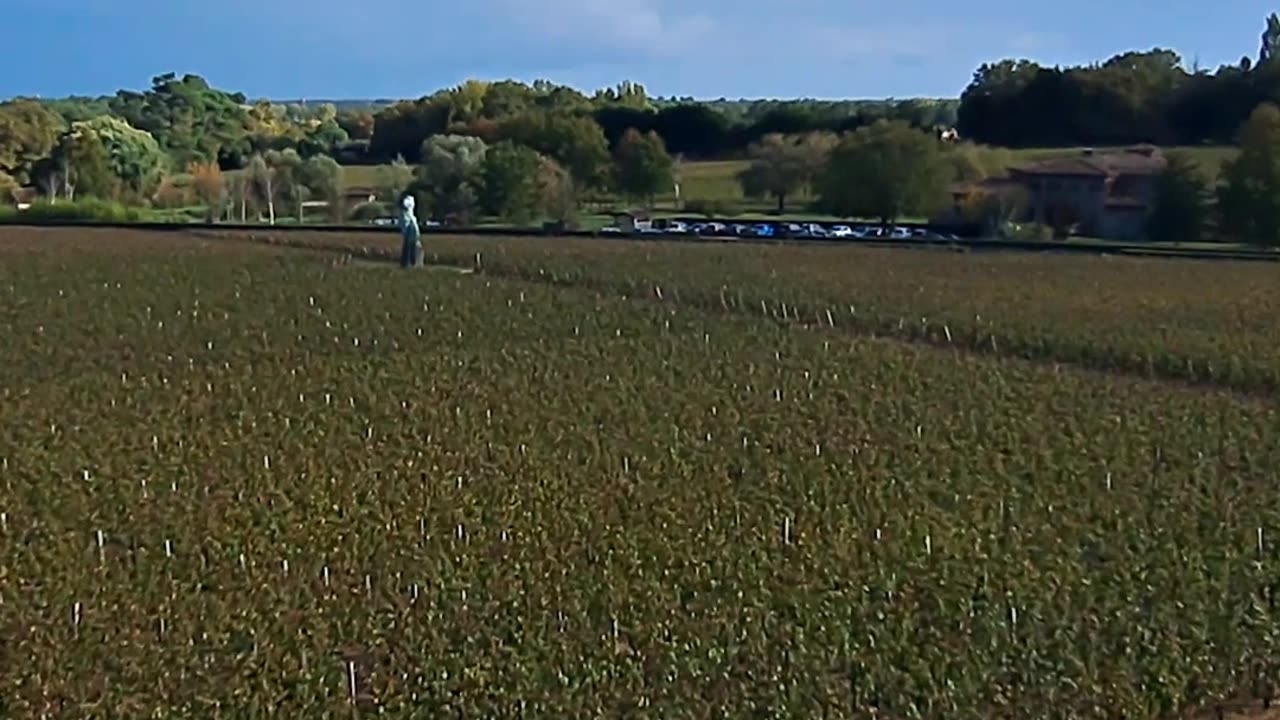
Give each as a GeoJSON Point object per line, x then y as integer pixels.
{"type": "Point", "coordinates": [1137, 160]}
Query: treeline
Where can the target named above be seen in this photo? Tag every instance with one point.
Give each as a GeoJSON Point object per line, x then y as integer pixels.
{"type": "Point", "coordinates": [1134, 97]}
{"type": "Point", "coordinates": [197, 122]}
{"type": "Point", "coordinates": [167, 148]}
{"type": "Point", "coordinates": [690, 129]}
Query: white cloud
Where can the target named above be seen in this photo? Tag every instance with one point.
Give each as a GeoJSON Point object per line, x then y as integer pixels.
{"type": "Point", "coordinates": [640, 26]}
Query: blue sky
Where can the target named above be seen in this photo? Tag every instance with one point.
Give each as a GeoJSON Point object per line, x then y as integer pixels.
{"type": "Point", "coordinates": [704, 48]}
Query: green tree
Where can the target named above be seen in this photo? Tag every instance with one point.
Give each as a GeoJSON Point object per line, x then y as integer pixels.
{"type": "Point", "coordinates": [321, 138]}
{"type": "Point", "coordinates": [508, 98]}
{"type": "Point", "coordinates": [260, 186]}
{"type": "Point", "coordinates": [28, 133]}
{"type": "Point", "coordinates": [642, 167]}
{"type": "Point", "coordinates": [884, 170]}
{"type": "Point", "coordinates": [240, 193]}
{"type": "Point", "coordinates": [1180, 206]}
{"type": "Point", "coordinates": [73, 109]}
{"type": "Point", "coordinates": [557, 193]}
{"type": "Point", "coordinates": [452, 156]}
{"type": "Point", "coordinates": [1249, 197]}
{"type": "Point", "coordinates": [466, 101]}
{"type": "Point", "coordinates": [322, 177]}
{"type": "Point", "coordinates": [192, 121]}
{"type": "Point", "coordinates": [509, 182]}
{"type": "Point", "coordinates": [393, 179]}
{"type": "Point", "coordinates": [269, 127]}
{"type": "Point", "coordinates": [135, 157]}
{"type": "Point", "coordinates": [402, 128]}
{"type": "Point", "coordinates": [358, 124]}
{"type": "Point", "coordinates": [288, 180]}
{"type": "Point", "coordinates": [782, 165]}
{"type": "Point", "coordinates": [449, 174]}
{"type": "Point", "coordinates": [576, 142]}
{"type": "Point", "coordinates": [82, 165]}
{"type": "Point", "coordinates": [627, 94]}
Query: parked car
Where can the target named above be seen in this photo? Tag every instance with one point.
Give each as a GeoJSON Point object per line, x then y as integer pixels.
{"type": "Point", "coordinates": [763, 230]}
{"type": "Point", "coordinates": [841, 231]}
{"type": "Point", "coordinates": [713, 228]}
{"type": "Point", "coordinates": [675, 227]}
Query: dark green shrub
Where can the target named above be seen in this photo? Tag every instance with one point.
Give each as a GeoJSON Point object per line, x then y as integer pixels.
{"type": "Point", "coordinates": [84, 210]}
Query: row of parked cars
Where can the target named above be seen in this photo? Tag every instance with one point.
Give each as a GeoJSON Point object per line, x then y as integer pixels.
{"type": "Point", "coordinates": [783, 230]}
{"type": "Point", "coordinates": [774, 229]}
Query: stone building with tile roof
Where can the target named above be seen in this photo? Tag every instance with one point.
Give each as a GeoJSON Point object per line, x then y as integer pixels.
{"type": "Point", "coordinates": [1099, 194]}
{"type": "Point", "coordinates": [1103, 195]}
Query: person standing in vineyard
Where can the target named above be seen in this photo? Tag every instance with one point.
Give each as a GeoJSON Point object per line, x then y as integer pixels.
{"type": "Point", "coordinates": [411, 249]}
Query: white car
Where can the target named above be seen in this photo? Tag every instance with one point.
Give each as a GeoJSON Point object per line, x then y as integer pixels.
{"type": "Point", "coordinates": [841, 231]}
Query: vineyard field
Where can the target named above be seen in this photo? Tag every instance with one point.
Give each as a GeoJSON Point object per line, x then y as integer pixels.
{"type": "Point", "coordinates": [1204, 322]}
{"type": "Point", "coordinates": [240, 480]}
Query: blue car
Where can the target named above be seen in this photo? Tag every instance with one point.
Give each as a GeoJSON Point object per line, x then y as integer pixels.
{"type": "Point", "coordinates": [762, 230]}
